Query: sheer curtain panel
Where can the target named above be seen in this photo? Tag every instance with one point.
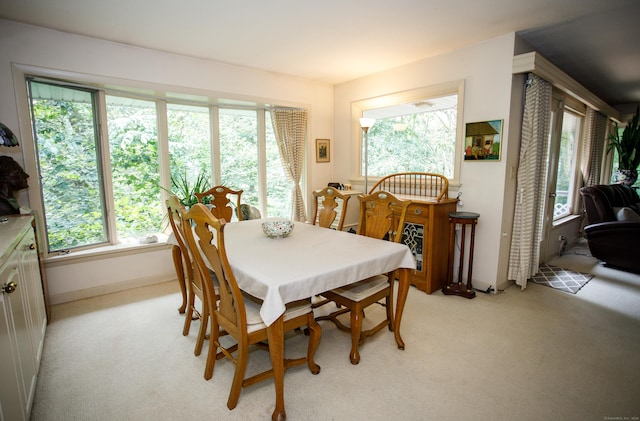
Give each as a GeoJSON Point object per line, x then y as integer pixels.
{"type": "Point", "coordinates": [290, 129]}
{"type": "Point", "coordinates": [531, 182]}
{"type": "Point", "coordinates": [593, 147]}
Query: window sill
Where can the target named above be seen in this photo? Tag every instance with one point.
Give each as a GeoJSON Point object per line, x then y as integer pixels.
{"type": "Point", "coordinates": [100, 253]}
{"type": "Point", "coordinates": [565, 220]}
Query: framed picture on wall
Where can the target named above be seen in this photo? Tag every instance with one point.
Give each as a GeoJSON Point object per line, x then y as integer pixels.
{"type": "Point", "coordinates": [323, 151]}
{"type": "Point", "coordinates": [482, 141]}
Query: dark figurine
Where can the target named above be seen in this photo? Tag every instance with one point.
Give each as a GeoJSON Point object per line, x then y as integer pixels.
{"type": "Point", "coordinates": [12, 180]}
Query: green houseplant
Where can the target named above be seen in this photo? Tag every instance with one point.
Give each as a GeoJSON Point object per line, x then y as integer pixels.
{"type": "Point", "coordinates": [186, 190]}
{"type": "Point", "coordinates": [627, 146]}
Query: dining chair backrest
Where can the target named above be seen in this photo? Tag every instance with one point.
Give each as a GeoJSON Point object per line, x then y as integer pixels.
{"type": "Point", "coordinates": [192, 278]}
{"type": "Point", "coordinates": [326, 202]}
{"type": "Point", "coordinates": [382, 216]}
{"type": "Point", "coordinates": [180, 229]}
{"type": "Point", "coordinates": [209, 241]}
{"type": "Point", "coordinates": [220, 201]}
{"type": "Point", "coordinates": [175, 220]}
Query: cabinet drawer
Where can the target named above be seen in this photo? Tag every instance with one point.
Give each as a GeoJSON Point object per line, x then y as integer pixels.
{"type": "Point", "coordinates": [418, 213]}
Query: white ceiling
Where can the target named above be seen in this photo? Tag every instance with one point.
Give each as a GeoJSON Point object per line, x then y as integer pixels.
{"type": "Point", "coordinates": [336, 40]}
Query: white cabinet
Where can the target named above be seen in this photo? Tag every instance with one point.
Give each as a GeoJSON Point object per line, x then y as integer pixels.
{"type": "Point", "coordinates": [30, 267]}
{"type": "Point", "coordinates": [23, 318]}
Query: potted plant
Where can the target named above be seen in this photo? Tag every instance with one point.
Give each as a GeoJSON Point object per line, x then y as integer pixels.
{"type": "Point", "coordinates": [627, 146]}
{"type": "Point", "coordinates": [186, 191]}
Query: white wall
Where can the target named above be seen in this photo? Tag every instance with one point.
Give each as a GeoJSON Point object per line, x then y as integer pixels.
{"type": "Point", "coordinates": [486, 70]}
{"type": "Point", "coordinates": [89, 60]}
{"type": "Point", "coordinates": [76, 277]}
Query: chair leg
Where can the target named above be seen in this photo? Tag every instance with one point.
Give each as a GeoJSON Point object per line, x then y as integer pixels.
{"type": "Point", "coordinates": [177, 262]}
{"type": "Point", "coordinates": [315, 332]}
{"type": "Point", "coordinates": [188, 315]}
{"type": "Point", "coordinates": [238, 376]}
{"type": "Point", "coordinates": [202, 332]}
{"type": "Point", "coordinates": [356, 327]}
{"type": "Point", "coordinates": [389, 301]}
{"type": "Point", "coordinates": [213, 351]}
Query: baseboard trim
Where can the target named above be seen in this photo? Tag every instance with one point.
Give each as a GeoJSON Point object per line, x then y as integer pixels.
{"type": "Point", "coordinates": [108, 289]}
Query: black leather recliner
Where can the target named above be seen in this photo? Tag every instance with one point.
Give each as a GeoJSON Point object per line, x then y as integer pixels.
{"type": "Point", "coordinates": [613, 241]}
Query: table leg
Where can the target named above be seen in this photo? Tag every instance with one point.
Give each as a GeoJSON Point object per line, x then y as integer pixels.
{"type": "Point", "coordinates": [403, 291]}
{"type": "Point", "coordinates": [275, 335]}
{"type": "Point", "coordinates": [356, 326]}
{"type": "Point", "coordinates": [177, 263]}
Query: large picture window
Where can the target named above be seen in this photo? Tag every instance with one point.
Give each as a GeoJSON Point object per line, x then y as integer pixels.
{"type": "Point", "coordinates": [133, 152]}
{"type": "Point", "coordinates": [414, 131]}
{"type": "Point", "coordinates": [239, 152]}
{"type": "Point", "coordinates": [419, 136]}
{"type": "Point", "coordinates": [69, 163]}
{"type": "Point", "coordinates": [189, 135]}
{"type": "Point", "coordinates": [102, 155]}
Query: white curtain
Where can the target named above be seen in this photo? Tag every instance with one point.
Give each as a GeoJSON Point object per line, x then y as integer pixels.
{"type": "Point", "coordinates": [290, 128]}
{"type": "Point", "coordinates": [593, 142]}
{"type": "Point", "coordinates": [531, 182]}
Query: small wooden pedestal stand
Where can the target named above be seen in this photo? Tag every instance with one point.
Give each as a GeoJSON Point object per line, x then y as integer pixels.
{"type": "Point", "coordinates": [458, 288]}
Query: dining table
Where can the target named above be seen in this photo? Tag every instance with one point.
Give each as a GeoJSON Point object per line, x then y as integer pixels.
{"type": "Point", "coordinates": [307, 262]}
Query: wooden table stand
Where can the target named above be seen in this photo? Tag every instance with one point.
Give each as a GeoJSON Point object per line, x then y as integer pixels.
{"type": "Point", "coordinates": [463, 219]}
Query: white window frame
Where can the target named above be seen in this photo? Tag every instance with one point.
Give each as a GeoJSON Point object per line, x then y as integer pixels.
{"type": "Point", "coordinates": [137, 90]}
{"type": "Point", "coordinates": [565, 104]}
{"type": "Point", "coordinates": [413, 95]}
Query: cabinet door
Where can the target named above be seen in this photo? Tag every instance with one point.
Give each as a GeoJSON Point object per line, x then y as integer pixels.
{"type": "Point", "coordinates": [12, 402]}
{"type": "Point", "coordinates": [30, 278]}
{"type": "Point", "coordinates": [415, 235]}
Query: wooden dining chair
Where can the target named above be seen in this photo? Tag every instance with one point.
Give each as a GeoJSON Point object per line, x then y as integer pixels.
{"type": "Point", "coordinates": [187, 278]}
{"type": "Point", "coordinates": [177, 254]}
{"type": "Point", "coordinates": [219, 197]}
{"type": "Point", "coordinates": [381, 216]}
{"type": "Point", "coordinates": [237, 313]}
{"type": "Point", "coordinates": [326, 202]}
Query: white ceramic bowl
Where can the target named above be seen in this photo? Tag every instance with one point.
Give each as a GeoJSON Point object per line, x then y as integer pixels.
{"type": "Point", "coordinates": [277, 227]}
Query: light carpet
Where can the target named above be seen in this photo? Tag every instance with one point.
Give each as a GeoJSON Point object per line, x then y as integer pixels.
{"type": "Point", "coordinates": [526, 355]}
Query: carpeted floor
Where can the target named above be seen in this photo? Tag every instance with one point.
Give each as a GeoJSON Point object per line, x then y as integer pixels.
{"type": "Point", "coordinates": [559, 278]}
{"type": "Point", "coordinates": [533, 355]}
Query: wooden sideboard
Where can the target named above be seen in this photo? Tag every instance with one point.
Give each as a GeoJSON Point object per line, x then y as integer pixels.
{"type": "Point", "coordinates": [426, 228]}
{"type": "Point", "coordinates": [426, 233]}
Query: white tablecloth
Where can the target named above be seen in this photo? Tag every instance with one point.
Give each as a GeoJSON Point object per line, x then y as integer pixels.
{"type": "Point", "coordinates": [309, 261]}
